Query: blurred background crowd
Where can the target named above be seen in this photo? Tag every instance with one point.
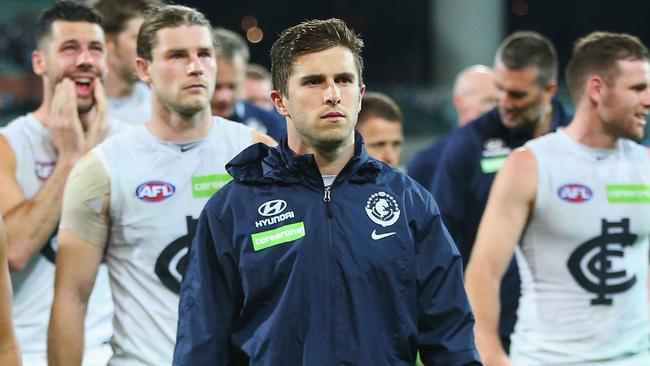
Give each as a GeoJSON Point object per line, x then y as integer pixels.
{"type": "Point", "coordinates": [413, 49]}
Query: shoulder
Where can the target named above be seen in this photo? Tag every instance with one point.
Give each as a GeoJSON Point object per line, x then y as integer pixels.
{"type": "Point", "coordinates": [117, 127]}
{"type": "Point", "coordinates": [223, 125]}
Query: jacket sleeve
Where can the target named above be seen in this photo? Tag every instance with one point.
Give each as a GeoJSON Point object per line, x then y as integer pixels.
{"type": "Point", "coordinates": [208, 298]}
{"type": "Point", "coordinates": [445, 319]}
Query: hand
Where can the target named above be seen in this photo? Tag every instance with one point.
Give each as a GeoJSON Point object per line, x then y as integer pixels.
{"type": "Point", "coordinates": [98, 125]}
{"type": "Point", "coordinates": [64, 122]}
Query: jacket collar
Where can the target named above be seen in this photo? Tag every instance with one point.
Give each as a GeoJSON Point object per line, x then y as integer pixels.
{"type": "Point", "coordinates": [260, 165]}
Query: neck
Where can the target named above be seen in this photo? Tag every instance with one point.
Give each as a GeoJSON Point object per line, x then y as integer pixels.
{"type": "Point", "coordinates": [117, 87]}
{"type": "Point", "coordinates": [330, 158]}
{"type": "Point", "coordinates": [545, 122]}
{"type": "Point", "coordinates": [172, 126]}
{"type": "Point", "coordinates": [587, 128]}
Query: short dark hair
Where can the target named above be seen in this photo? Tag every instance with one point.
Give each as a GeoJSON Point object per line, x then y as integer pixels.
{"type": "Point", "coordinates": [599, 53]}
{"type": "Point", "coordinates": [526, 49]}
{"type": "Point", "coordinates": [380, 105]}
{"type": "Point", "coordinates": [166, 16]}
{"type": "Point", "coordinates": [309, 37]}
{"type": "Point", "coordinates": [230, 44]}
{"type": "Point", "coordinates": [116, 13]}
{"type": "Point", "coordinates": [64, 10]}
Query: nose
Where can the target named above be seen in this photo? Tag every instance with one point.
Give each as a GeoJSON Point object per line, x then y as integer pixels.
{"type": "Point", "coordinates": [194, 66]}
{"type": "Point", "coordinates": [332, 94]}
{"type": "Point", "coordinates": [84, 58]}
{"type": "Point", "coordinates": [503, 100]}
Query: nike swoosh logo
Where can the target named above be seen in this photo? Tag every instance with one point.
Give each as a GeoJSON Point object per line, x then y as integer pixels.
{"type": "Point", "coordinates": [376, 236]}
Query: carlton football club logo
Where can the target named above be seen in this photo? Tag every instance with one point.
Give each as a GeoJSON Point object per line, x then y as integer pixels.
{"type": "Point", "coordinates": [382, 209]}
{"type": "Point", "coordinates": [595, 264]}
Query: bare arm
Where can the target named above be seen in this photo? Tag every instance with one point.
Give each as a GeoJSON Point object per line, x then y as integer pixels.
{"type": "Point", "coordinates": [29, 223]}
{"type": "Point", "coordinates": [509, 206]}
{"type": "Point", "coordinates": [9, 352]}
{"type": "Point", "coordinates": [77, 263]}
{"type": "Point", "coordinates": [82, 237]}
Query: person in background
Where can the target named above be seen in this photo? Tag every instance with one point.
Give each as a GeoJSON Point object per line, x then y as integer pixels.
{"type": "Point", "coordinates": [573, 206]}
{"type": "Point", "coordinates": [525, 75]}
{"type": "Point", "coordinates": [227, 101]}
{"type": "Point", "coordinates": [129, 99]}
{"type": "Point", "coordinates": [258, 87]}
{"type": "Point", "coordinates": [37, 153]}
{"type": "Point", "coordinates": [380, 124]}
{"type": "Point", "coordinates": [136, 197]}
{"type": "Point", "coordinates": [474, 94]}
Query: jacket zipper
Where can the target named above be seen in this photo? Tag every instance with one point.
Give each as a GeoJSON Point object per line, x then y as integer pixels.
{"type": "Point", "coordinates": [327, 197]}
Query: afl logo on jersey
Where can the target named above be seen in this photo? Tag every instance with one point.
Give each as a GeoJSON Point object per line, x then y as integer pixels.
{"type": "Point", "coordinates": [575, 193]}
{"type": "Point", "coordinates": [155, 191]}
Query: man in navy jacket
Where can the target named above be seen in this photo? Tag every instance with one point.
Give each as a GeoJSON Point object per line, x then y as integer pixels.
{"type": "Point", "coordinates": [317, 254]}
{"type": "Point", "coordinates": [525, 74]}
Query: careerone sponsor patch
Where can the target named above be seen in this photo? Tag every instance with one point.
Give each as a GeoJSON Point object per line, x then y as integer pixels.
{"type": "Point", "coordinates": [282, 234]}
{"type": "Point", "coordinates": [205, 186]}
{"type": "Point", "coordinates": [628, 193]}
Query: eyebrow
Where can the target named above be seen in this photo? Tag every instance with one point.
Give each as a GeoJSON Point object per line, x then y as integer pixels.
{"type": "Point", "coordinates": [322, 76]}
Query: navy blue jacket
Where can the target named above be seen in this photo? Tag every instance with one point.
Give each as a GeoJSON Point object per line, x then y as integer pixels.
{"type": "Point", "coordinates": [268, 122]}
{"type": "Point", "coordinates": [423, 165]}
{"type": "Point", "coordinates": [283, 271]}
{"type": "Point", "coordinates": [469, 162]}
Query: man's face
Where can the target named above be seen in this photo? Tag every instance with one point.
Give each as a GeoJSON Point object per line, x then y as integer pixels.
{"type": "Point", "coordinates": [522, 102]}
{"type": "Point", "coordinates": [183, 68]}
{"type": "Point", "coordinates": [323, 97]}
{"type": "Point", "coordinates": [73, 50]}
{"type": "Point", "coordinates": [626, 102]}
{"type": "Point", "coordinates": [122, 51]}
{"type": "Point", "coordinates": [383, 139]}
{"type": "Point", "coordinates": [230, 79]}
{"type": "Point", "coordinates": [257, 92]}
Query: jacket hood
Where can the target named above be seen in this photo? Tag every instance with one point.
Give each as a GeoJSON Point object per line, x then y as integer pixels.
{"type": "Point", "coordinates": [260, 164]}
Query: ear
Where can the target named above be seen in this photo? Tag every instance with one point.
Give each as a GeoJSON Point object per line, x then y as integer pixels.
{"type": "Point", "coordinates": [38, 63]}
{"type": "Point", "coordinates": [142, 68]}
{"type": "Point", "coordinates": [279, 103]}
{"type": "Point", "coordinates": [362, 91]}
{"type": "Point", "coordinates": [110, 44]}
{"type": "Point", "coordinates": [549, 91]}
{"type": "Point", "coordinates": [595, 88]}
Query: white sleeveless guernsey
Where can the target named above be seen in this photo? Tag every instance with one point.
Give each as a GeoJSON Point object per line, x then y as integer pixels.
{"type": "Point", "coordinates": [583, 258]}
{"type": "Point", "coordinates": [158, 190]}
{"type": "Point", "coordinates": [34, 286]}
{"type": "Point", "coordinates": [134, 109]}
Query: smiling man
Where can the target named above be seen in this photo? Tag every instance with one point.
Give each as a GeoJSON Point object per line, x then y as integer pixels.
{"type": "Point", "coordinates": [37, 152]}
{"type": "Point", "coordinates": [318, 254]}
{"type": "Point", "coordinates": [136, 197]}
{"type": "Point", "coordinates": [525, 74]}
{"type": "Point", "coordinates": [574, 206]}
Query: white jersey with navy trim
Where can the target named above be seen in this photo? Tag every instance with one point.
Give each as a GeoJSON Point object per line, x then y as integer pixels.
{"type": "Point", "coordinates": [134, 109]}
{"type": "Point", "coordinates": [583, 258]}
{"type": "Point", "coordinates": [33, 287]}
{"type": "Point", "coordinates": [158, 190]}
